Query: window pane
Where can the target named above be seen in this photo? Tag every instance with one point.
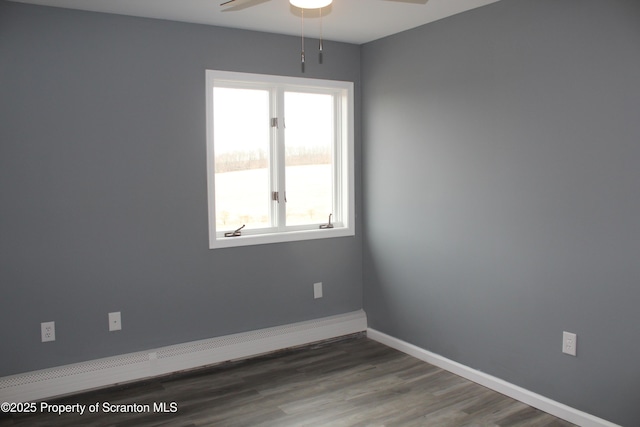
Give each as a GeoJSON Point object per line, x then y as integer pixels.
{"type": "Point", "coordinates": [309, 138]}
{"type": "Point", "coordinates": [241, 147]}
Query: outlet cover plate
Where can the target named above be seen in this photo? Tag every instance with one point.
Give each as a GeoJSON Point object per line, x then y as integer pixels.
{"type": "Point", "coordinates": [48, 331]}
{"type": "Point", "coordinates": [115, 322]}
{"type": "Point", "coordinates": [569, 343]}
{"type": "Point", "coordinates": [317, 290]}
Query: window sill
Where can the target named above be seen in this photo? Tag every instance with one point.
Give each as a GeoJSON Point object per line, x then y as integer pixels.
{"type": "Point", "coordinates": [289, 236]}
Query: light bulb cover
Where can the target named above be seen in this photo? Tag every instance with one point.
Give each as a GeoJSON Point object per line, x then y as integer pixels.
{"type": "Point", "coordinates": [310, 4]}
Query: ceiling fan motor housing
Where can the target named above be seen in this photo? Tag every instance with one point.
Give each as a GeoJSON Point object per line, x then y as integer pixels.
{"type": "Point", "coordinates": [310, 4]}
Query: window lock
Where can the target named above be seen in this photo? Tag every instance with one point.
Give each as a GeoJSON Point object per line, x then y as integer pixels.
{"type": "Point", "coordinates": [235, 233]}
{"type": "Point", "coordinates": [327, 225]}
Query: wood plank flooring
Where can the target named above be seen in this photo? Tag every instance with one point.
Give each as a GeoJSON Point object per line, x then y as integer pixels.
{"type": "Point", "coordinates": [350, 382]}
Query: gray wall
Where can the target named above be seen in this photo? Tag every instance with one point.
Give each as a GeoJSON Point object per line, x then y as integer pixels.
{"type": "Point", "coordinates": [103, 190]}
{"type": "Point", "coordinates": [502, 195]}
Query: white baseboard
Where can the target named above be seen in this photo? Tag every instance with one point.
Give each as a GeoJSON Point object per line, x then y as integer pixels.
{"type": "Point", "coordinates": [549, 406]}
{"type": "Point", "coordinates": [62, 380]}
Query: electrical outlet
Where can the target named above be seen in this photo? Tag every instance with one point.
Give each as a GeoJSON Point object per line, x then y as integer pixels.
{"type": "Point", "coordinates": [317, 290]}
{"type": "Point", "coordinates": [115, 322]}
{"type": "Point", "coordinates": [48, 331]}
{"type": "Point", "coordinates": [569, 343]}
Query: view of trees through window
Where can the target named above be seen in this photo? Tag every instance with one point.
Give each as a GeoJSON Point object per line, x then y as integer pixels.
{"type": "Point", "coordinates": [242, 132]}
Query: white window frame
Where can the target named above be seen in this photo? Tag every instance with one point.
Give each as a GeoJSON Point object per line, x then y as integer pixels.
{"type": "Point", "coordinates": [343, 165]}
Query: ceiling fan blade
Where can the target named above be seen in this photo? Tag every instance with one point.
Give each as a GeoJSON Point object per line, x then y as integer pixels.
{"type": "Point", "coordinates": [233, 5]}
{"type": "Point", "coordinates": [410, 1]}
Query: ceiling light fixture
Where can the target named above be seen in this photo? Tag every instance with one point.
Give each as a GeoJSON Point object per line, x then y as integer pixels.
{"type": "Point", "coordinates": [310, 4]}
{"type": "Point", "coordinates": [236, 5]}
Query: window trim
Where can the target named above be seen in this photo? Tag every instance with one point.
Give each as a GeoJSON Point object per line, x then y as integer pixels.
{"type": "Point", "coordinates": [346, 196]}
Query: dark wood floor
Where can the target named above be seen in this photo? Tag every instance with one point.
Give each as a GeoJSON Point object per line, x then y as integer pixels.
{"type": "Point", "coordinates": [354, 382]}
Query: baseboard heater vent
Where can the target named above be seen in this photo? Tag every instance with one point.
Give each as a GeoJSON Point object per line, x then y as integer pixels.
{"type": "Point", "coordinates": [71, 370]}
{"type": "Point", "coordinates": [62, 380]}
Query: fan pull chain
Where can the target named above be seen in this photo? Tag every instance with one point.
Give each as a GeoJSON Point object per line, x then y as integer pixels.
{"type": "Point", "coordinates": [302, 32]}
{"type": "Point", "coordinates": [320, 45]}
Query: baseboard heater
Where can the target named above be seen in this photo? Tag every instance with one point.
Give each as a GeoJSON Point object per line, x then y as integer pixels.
{"type": "Point", "coordinates": [83, 376]}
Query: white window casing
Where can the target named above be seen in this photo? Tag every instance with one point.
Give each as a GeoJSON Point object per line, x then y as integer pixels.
{"type": "Point", "coordinates": [342, 160]}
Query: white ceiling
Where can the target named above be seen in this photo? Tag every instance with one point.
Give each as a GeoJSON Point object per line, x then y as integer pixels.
{"type": "Point", "coordinates": [352, 21]}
